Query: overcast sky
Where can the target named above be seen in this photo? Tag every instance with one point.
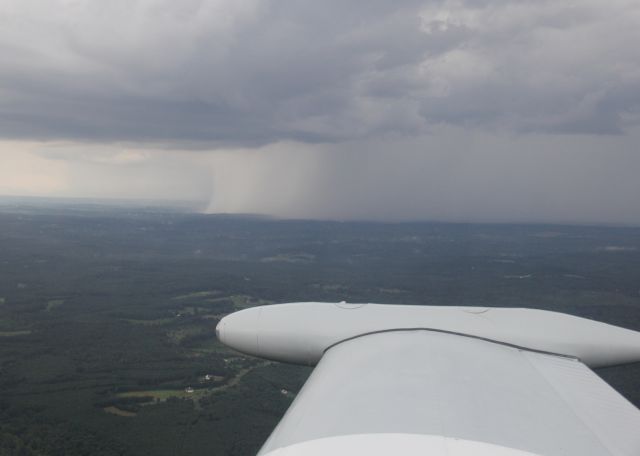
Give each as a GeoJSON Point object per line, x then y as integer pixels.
{"type": "Point", "coordinates": [483, 110]}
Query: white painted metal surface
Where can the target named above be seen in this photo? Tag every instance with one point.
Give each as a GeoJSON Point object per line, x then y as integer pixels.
{"type": "Point", "coordinates": [454, 381]}
{"type": "Point", "coordinates": [400, 444]}
{"type": "Point", "coordinates": [428, 383]}
{"type": "Point", "coordinates": [301, 332]}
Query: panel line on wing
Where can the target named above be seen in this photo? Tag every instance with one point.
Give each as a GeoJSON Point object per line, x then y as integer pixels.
{"type": "Point", "coordinates": [444, 331]}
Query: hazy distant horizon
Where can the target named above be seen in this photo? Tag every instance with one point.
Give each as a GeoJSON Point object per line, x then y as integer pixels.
{"type": "Point", "coordinates": [195, 208]}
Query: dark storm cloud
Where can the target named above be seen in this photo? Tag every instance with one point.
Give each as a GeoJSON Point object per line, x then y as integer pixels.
{"type": "Point", "coordinates": [247, 72]}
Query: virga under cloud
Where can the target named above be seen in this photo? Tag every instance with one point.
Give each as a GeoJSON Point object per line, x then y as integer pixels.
{"type": "Point", "coordinates": [296, 92]}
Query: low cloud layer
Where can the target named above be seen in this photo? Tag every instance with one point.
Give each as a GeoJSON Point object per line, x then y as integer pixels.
{"type": "Point", "coordinates": [483, 110]}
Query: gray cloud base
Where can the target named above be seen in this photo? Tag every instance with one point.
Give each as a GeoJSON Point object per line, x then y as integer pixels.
{"type": "Point", "coordinates": [249, 72]}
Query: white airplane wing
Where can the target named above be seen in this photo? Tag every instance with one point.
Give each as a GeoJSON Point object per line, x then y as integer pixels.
{"type": "Point", "coordinates": [405, 388]}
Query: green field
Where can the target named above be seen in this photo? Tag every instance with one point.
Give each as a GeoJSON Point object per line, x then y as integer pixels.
{"type": "Point", "coordinates": [15, 333]}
